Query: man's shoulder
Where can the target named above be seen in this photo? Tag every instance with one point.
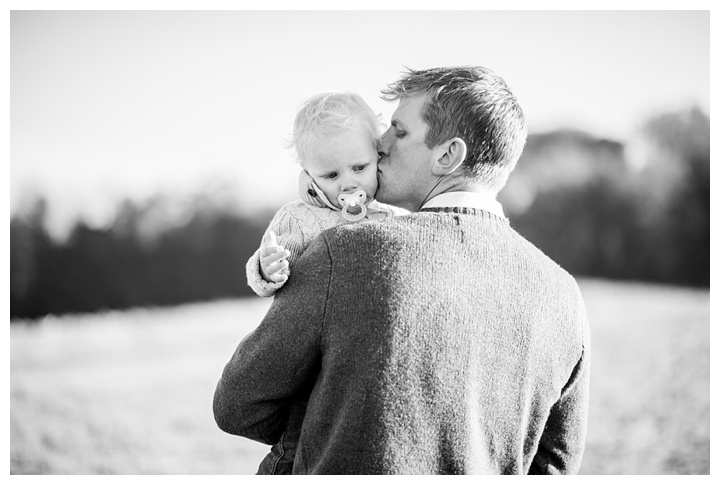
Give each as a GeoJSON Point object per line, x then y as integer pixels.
{"type": "Point", "coordinates": [549, 274]}
{"type": "Point", "coordinates": [550, 266]}
{"type": "Point", "coordinates": [366, 239]}
{"type": "Point", "coordinates": [371, 230]}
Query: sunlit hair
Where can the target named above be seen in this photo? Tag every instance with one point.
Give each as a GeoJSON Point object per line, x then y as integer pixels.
{"type": "Point", "coordinates": [474, 104]}
{"type": "Point", "coordinates": [330, 114]}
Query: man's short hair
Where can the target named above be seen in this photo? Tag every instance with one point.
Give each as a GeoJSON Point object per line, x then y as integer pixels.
{"type": "Point", "coordinates": [330, 114]}
{"type": "Point", "coordinates": [474, 104]}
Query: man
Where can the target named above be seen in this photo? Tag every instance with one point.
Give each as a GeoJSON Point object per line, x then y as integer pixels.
{"type": "Point", "coordinates": [437, 342]}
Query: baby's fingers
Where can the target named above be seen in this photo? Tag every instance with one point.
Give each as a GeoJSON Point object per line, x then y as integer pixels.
{"type": "Point", "coordinates": [279, 277]}
{"type": "Point", "coordinates": [271, 239]}
{"type": "Point", "coordinates": [267, 251]}
{"type": "Point", "coordinates": [275, 266]}
{"type": "Point", "coordinates": [270, 242]}
{"type": "Point", "coordinates": [274, 257]}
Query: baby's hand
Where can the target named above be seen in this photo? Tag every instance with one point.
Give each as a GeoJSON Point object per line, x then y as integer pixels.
{"type": "Point", "coordinates": [272, 260]}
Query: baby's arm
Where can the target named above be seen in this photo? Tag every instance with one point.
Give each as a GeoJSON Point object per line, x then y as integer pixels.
{"type": "Point", "coordinates": [281, 241]}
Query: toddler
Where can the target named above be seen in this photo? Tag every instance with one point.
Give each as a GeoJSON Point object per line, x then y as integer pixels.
{"type": "Point", "coordinates": [335, 137]}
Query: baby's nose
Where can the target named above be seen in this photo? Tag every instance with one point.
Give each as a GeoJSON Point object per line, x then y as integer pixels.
{"type": "Point", "coordinates": [349, 186]}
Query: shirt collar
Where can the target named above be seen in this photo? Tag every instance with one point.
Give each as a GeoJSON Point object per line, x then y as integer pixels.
{"type": "Point", "coordinates": [476, 200]}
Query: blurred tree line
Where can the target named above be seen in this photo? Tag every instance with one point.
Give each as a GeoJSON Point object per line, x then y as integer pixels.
{"type": "Point", "coordinates": [600, 208]}
{"type": "Point", "coordinates": [142, 259]}
{"type": "Point", "coordinates": [639, 211]}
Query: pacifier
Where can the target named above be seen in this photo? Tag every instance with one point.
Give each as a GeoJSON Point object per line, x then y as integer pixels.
{"type": "Point", "coordinates": [353, 200]}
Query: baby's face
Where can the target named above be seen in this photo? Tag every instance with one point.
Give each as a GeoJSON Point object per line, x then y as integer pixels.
{"type": "Point", "coordinates": [344, 164]}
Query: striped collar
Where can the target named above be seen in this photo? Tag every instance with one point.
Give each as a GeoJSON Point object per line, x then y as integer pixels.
{"type": "Point", "coordinates": [476, 200]}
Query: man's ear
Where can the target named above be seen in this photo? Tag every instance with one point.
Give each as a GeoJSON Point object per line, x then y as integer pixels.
{"type": "Point", "coordinates": [451, 155]}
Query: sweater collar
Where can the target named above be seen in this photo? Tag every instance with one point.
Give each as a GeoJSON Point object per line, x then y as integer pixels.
{"type": "Point", "coordinates": [476, 200]}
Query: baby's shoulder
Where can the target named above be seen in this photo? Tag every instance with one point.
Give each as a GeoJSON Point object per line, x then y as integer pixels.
{"type": "Point", "coordinates": [300, 217]}
{"type": "Point", "coordinates": [298, 209]}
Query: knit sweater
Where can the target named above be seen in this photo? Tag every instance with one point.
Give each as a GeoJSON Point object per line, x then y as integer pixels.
{"type": "Point", "coordinates": [436, 342]}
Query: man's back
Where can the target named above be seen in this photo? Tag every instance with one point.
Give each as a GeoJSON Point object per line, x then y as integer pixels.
{"type": "Point", "coordinates": [438, 342]}
{"type": "Point", "coordinates": [446, 341]}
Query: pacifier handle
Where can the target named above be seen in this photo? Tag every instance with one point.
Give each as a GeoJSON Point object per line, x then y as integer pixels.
{"type": "Point", "coordinates": [352, 200]}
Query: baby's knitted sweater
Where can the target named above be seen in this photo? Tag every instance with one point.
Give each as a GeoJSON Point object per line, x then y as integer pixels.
{"type": "Point", "coordinates": [296, 225]}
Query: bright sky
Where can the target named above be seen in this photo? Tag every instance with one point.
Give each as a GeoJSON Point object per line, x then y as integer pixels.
{"type": "Point", "coordinates": [113, 104]}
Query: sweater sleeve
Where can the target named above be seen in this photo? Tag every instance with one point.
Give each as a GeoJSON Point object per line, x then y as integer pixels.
{"type": "Point", "coordinates": [562, 443]}
{"type": "Point", "coordinates": [289, 231]}
{"type": "Point", "coordinates": [280, 359]}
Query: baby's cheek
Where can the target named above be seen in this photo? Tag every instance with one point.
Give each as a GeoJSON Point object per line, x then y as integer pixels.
{"type": "Point", "coordinates": [371, 185]}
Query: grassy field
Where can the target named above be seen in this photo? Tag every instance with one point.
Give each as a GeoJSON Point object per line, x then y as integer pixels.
{"type": "Point", "coordinates": [131, 392]}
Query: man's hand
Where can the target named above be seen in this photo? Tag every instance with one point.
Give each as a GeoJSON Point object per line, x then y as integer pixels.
{"type": "Point", "coordinates": [272, 260]}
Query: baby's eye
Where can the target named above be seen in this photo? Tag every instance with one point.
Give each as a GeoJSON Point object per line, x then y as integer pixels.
{"type": "Point", "coordinates": [360, 168]}
{"type": "Point", "coordinates": [330, 176]}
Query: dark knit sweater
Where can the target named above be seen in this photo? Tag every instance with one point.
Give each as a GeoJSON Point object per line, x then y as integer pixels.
{"type": "Point", "coordinates": [437, 342]}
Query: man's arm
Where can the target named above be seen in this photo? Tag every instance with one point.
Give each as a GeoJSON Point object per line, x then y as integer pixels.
{"type": "Point", "coordinates": [562, 443]}
{"type": "Point", "coordinates": [281, 358]}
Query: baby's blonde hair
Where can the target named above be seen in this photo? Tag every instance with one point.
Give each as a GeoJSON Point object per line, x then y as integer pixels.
{"type": "Point", "coordinates": [330, 114]}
